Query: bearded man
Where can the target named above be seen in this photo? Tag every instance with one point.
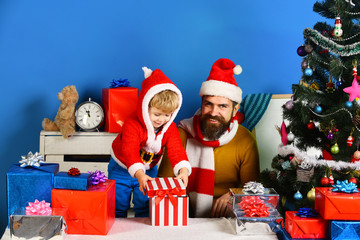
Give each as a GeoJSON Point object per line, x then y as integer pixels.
{"type": "Point", "coordinates": [223, 154]}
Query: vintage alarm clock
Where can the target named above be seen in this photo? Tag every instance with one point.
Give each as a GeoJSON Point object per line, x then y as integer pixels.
{"type": "Point", "coordinates": [89, 115]}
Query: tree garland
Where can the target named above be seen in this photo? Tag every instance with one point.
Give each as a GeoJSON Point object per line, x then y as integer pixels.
{"type": "Point", "coordinates": [314, 161]}
{"type": "Point", "coordinates": [322, 41]}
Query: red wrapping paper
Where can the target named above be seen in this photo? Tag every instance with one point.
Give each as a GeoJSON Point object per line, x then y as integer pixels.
{"type": "Point", "coordinates": [168, 202]}
{"type": "Point", "coordinates": [337, 205]}
{"type": "Point", "coordinates": [119, 104]}
{"type": "Point", "coordinates": [88, 212]}
{"type": "Point", "coordinates": [301, 227]}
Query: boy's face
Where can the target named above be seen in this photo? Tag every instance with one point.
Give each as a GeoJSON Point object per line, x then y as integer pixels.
{"type": "Point", "coordinates": [158, 117]}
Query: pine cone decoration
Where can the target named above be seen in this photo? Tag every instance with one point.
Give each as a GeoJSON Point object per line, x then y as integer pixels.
{"type": "Point", "coordinates": [356, 120]}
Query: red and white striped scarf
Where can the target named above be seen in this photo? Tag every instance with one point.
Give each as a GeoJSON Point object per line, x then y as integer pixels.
{"type": "Point", "coordinates": [201, 156]}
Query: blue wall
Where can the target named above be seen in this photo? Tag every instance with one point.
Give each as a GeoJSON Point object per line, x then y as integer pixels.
{"type": "Point", "coordinates": [46, 45]}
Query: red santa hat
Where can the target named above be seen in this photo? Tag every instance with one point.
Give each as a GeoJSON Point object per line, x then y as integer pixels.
{"type": "Point", "coordinates": [221, 81]}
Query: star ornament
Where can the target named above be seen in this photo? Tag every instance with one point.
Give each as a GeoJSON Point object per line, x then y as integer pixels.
{"type": "Point", "coordinates": [354, 90]}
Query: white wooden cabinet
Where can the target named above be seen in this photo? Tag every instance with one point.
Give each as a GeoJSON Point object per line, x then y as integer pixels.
{"type": "Point", "coordinates": [87, 151]}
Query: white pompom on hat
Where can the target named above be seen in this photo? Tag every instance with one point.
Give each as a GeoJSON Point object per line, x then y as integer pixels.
{"type": "Point", "coordinates": [221, 81]}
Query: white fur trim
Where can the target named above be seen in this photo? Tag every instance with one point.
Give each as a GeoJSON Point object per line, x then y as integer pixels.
{"type": "Point", "coordinates": [153, 144]}
{"type": "Point", "coordinates": [147, 72]}
{"type": "Point", "coordinates": [222, 89]}
{"type": "Point", "coordinates": [237, 70]}
{"type": "Point", "coordinates": [180, 165]}
{"type": "Point", "coordinates": [135, 167]}
{"type": "Point", "coordinates": [201, 203]}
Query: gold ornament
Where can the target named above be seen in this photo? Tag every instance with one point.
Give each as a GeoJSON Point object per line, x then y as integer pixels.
{"type": "Point", "coordinates": [311, 194]}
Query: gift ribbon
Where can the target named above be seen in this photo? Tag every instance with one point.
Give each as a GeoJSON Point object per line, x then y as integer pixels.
{"type": "Point", "coordinates": [254, 187]}
{"type": "Point", "coordinates": [97, 177]}
{"type": "Point", "coordinates": [253, 206]}
{"type": "Point", "coordinates": [160, 194]}
{"type": "Point", "coordinates": [32, 160]}
{"type": "Point", "coordinates": [119, 83]}
{"type": "Point", "coordinates": [307, 212]}
{"type": "Point", "coordinates": [345, 186]}
{"type": "Point", "coordinates": [73, 172]}
{"type": "Point", "coordinates": [39, 208]}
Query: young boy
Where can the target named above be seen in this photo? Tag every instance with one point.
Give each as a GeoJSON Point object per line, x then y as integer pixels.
{"type": "Point", "coordinates": [136, 152]}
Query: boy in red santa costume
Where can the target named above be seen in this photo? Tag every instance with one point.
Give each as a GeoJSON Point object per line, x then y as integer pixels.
{"type": "Point", "coordinates": [136, 152]}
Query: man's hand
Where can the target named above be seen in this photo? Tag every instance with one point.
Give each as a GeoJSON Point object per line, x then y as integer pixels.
{"type": "Point", "coordinates": [184, 175]}
{"type": "Point", "coordinates": [219, 206]}
{"type": "Point", "coordinates": [142, 179]}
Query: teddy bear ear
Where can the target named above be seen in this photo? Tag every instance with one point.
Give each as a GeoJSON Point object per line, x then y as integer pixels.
{"type": "Point", "coordinates": [60, 96]}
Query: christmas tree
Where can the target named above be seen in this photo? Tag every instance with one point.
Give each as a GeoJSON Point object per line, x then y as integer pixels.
{"type": "Point", "coordinates": [320, 134]}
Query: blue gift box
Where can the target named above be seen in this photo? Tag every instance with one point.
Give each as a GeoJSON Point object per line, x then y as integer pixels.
{"type": "Point", "coordinates": [25, 184]}
{"type": "Point", "coordinates": [64, 181]}
{"type": "Point", "coordinates": [341, 230]}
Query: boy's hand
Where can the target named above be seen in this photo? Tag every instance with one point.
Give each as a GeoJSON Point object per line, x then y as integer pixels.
{"type": "Point", "coordinates": [184, 175]}
{"type": "Point", "coordinates": [142, 179]}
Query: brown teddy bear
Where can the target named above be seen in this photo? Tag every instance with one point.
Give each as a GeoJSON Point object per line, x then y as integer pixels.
{"type": "Point", "coordinates": [65, 117]}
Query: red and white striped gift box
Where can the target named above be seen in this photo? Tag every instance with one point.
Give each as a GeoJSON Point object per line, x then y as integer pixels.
{"type": "Point", "coordinates": [168, 202]}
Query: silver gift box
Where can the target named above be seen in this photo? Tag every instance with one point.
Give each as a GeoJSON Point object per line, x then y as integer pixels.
{"type": "Point", "coordinates": [244, 225]}
{"type": "Point", "coordinates": [33, 227]}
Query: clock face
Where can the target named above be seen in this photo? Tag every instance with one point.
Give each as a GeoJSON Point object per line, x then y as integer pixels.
{"type": "Point", "coordinates": [89, 115]}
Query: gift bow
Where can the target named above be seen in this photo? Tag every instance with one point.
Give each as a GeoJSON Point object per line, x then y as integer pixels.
{"type": "Point", "coordinates": [32, 160]}
{"type": "Point", "coordinates": [345, 186]}
{"type": "Point", "coordinates": [38, 208]}
{"type": "Point", "coordinates": [307, 212]}
{"type": "Point", "coordinates": [119, 83]}
{"type": "Point", "coordinates": [160, 194]}
{"type": "Point", "coordinates": [253, 206]}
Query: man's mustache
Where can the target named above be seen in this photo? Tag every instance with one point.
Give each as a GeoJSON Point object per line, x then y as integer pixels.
{"type": "Point", "coordinates": [210, 117]}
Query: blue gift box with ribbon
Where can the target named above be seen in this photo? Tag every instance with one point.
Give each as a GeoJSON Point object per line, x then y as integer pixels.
{"type": "Point", "coordinates": [341, 230]}
{"type": "Point", "coordinates": [27, 182]}
{"type": "Point", "coordinates": [63, 180]}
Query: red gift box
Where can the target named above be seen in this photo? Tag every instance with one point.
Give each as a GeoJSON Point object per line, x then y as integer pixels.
{"type": "Point", "coordinates": [303, 227]}
{"type": "Point", "coordinates": [337, 205]}
{"type": "Point", "coordinates": [119, 103]}
{"type": "Point", "coordinates": [168, 202]}
{"type": "Point", "coordinates": [89, 212]}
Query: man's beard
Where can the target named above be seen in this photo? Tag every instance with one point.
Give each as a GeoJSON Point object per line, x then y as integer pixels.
{"type": "Point", "coordinates": [213, 131]}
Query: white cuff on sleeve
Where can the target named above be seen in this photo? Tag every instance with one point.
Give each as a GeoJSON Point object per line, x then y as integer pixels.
{"type": "Point", "coordinates": [136, 166]}
{"type": "Point", "coordinates": [181, 165]}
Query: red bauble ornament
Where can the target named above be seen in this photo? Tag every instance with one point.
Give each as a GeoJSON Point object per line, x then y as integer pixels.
{"type": "Point", "coordinates": [354, 180]}
{"type": "Point", "coordinates": [325, 181]}
{"type": "Point", "coordinates": [310, 125]}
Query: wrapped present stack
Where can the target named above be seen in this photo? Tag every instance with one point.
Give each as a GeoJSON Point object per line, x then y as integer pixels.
{"type": "Point", "coordinates": [253, 203]}
{"type": "Point", "coordinates": [29, 180]}
{"type": "Point", "coordinates": [119, 103]}
{"type": "Point", "coordinates": [89, 199]}
{"type": "Point", "coordinates": [169, 204]}
{"type": "Point", "coordinates": [336, 215]}
{"type": "Point", "coordinates": [38, 194]}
